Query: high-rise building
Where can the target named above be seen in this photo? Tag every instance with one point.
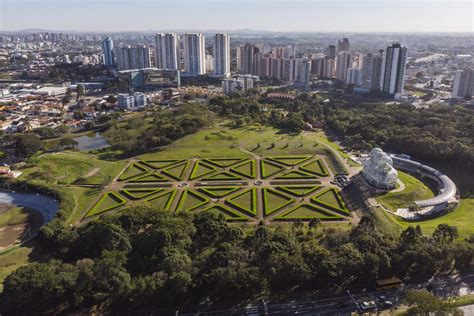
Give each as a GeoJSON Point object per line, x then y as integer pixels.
{"type": "Point", "coordinates": [304, 73]}
{"type": "Point", "coordinates": [331, 51]}
{"type": "Point", "coordinates": [329, 67]}
{"type": "Point", "coordinates": [166, 51]}
{"type": "Point", "coordinates": [463, 85]}
{"type": "Point", "coordinates": [247, 59]}
{"type": "Point", "coordinates": [194, 54]}
{"type": "Point", "coordinates": [393, 70]}
{"type": "Point", "coordinates": [371, 71]}
{"type": "Point", "coordinates": [343, 62]}
{"type": "Point", "coordinates": [277, 68]}
{"type": "Point", "coordinates": [133, 57]}
{"type": "Point", "coordinates": [343, 45]}
{"type": "Point", "coordinates": [290, 69]}
{"type": "Point", "coordinates": [317, 66]}
{"type": "Point", "coordinates": [353, 76]}
{"type": "Point", "coordinates": [221, 51]}
{"type": "Point", "coordinates": [209, 64]}
{"type": "Point", "coordinates": [107, 51]}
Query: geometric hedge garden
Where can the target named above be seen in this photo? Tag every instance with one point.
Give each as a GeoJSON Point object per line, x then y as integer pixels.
{"type": "Point", "coordinates": [280, 188]}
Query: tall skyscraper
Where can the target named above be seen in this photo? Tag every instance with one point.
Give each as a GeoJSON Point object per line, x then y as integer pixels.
{"type": "Point", "coordinates": [194, 54]}
{"type": "Point", "coordinates": [107, 51]}
{"type": "Point", "coordinates": [463, 85]}
{"type": "Point", "coordinates": [353, 76]}
{"type": "Point", "coordinates": [343, 45]}
{"type": "Point", "coordinates": [393, 70]}
{"type": "Point", "coordinates": [166, 51]}
{"type": "Point", "coordinates": [304, 73]}
{"type": "Point", "coordinates": [221, 51]}
{"type": "Point", "coordinates": [343, 62]}
{"type": "Point", "coordinates": [133, 57]}
{"type": "Point", "coordinates": [371, 71]}
{"type": "Point", "coordinates": [290, 68]}
{"type": "Point", "coordinates": [247, 59]}
{"type": "Point", "coordinates": [331, 51]}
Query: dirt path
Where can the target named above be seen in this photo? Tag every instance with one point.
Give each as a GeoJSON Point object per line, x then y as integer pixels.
{"type": "Point", "coordinates": [92, 172]}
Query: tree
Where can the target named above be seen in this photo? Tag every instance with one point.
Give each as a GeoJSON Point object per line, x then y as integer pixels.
{"type": "Point", "coordinates": [80, 90]}
{"type": "Point", "coordinates": [424, 303]}
{"type": "Point", "coordinates": [27, 144]}
{"type": "Point", "coordinates": [67, 143]}
{"type": "Point", "coordinates": [445, 233]}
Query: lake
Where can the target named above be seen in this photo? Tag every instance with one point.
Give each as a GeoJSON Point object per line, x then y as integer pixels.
{"type": "Point", "coordinates": [92, 141]}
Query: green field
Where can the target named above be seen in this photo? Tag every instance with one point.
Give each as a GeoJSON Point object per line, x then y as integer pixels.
{"type": "Point", "coordinates": [414, 190]}
{"type": "Point", "coordinates": [14, 216]}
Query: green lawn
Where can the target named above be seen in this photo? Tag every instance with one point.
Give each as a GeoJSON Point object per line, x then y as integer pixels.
{"type": "Point", "coordinates": [13, 259]}
{"type": "Point", "coordinates": [69, 167]}
{"type": "Point", "coordinates": [16, 215]}
{"type": "Point", "coordinates": [274, 201]}
{"type": "Point", "coordinates": [414, 190]}
{"type": "Point", "coordinates": [462, 218]}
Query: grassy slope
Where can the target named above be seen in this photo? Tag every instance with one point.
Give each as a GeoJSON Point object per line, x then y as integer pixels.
{"type": "Point", "coordinates": [17, 215]}
{"type": "Point", "coordinates": [414, 190]}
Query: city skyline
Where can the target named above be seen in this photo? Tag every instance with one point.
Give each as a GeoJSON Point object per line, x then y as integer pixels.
{"type": "Point", "coordinates": [278, 16]}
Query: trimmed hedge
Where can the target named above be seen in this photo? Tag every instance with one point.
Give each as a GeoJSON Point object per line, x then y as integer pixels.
{"type": "Point", "coordinates": [135, 165]}
{"type": "Point", "coordinates": [180, 175]}
{"type": "Point", "coordinates": [253, 197]}
{"type": "Point", "coordinates": [95, 210]}
{"type": "Point", "coordinates": [197, 165]}
{"type": "Point", "coordinates": [318, 213]}
{"type": "Point", "coordinates": [253, 169]}
{"type": "Point", "coordinates": [267, 209]}
{"type": "Point", "coordinates": [131, 193]}
{"type": "Point", "coordinates": [263, 170]}
{"type": "Point", "coordinates": [341, 208]}
{"type": "Point", "coordinates": [291, 189]}
{"type": "Point", "coordinates": [168, 202]}
{"type": "Point", "coordinates": [229, 214]}
{"type": "Point", "coordinates": [322, 173]}
{"type": "Point", "coordinates": [290, 160]}
{"type": "Point", "coordinates": [227, 191]}
{"type": "Point", "coordinates": [184, 196]}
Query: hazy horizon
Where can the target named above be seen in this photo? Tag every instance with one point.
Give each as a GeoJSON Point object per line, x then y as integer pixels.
{"type": "Point", "coordinates": [371, 16]}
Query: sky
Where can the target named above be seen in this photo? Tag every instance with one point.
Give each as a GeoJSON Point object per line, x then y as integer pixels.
{"type": "Point", "coordinates": [270, 15]}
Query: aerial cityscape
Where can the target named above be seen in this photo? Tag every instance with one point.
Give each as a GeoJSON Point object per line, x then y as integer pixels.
{"type": "Point", "coordinates": [214, 158]}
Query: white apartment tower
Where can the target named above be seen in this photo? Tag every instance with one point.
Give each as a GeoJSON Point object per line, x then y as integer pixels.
{"type": "Point", "coordinates": [133, 57]}
{"type": "Point", "coordinates": [463, 85]}
{"type": "Point", "coordinates": [221, 51]}
{"type": "Point", "coordinates": [393, 70]}
{"type": "Point", "coordinates": [343, 62]}
{"type": "Point", "coordinates": [194, 54]}
{"type": "Point", "coordinates": [371, 71]}
{"type": "Point", "coordinates": [166, 51]}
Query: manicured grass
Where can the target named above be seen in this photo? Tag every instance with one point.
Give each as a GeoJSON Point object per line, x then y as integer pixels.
{"type": "Point", "coordinates": [163, 201]}
{"type": "Point", "coordinates": [296, 174]}
{"type": "Point", "coordinates": [316, 167]}
{"type": "Point", "coordinates": [107, 202]}
{"type": "Point", "coordinates": [290, 161]}
{"type": "Point", "coordinates": [414, 190]}
{"type": "Point", "coordinates": [274, 201]}
{"type": "Point", "coordinates": [229, 214]}
{"type": "Point", "coordinates": [307, 212]}
{"type": "Point", "coordinates": [132, 171]}
{"type": "Point", "coordinates": [301, 190]}
{"type": "Point", "coordinates": [177, 172]}
{"type": "Point", "coordinates": [245, 201]}
{"type": "Point", "coordinates": [269, 169]}
{"type": "Point", "coordinates": [190, 201]}
{"type": "Point", "coordinates": [246, 169]}
{"type": "Point", "coordinates": [201, 169]}
{"type": "Point", "coordinates": [137, 194]}
{"type": "Point", "coordinates": [160, 164]}
{"type": "Point", "coordinates": [223, 176]}
{"type": "Point", "coordinates": [224, 162]}
{"type": "Point", "coordinates": [332, 200]}
{"type": "Point", "coordinates": [218, 192]}
{"type": "Point", "coordinates": [151, 177]}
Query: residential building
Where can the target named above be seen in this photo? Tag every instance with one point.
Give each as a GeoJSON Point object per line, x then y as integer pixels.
{"type": "Point", "coordinates": [239, 83]}
{"type": "Point", "coordinates": [247, 59]}
{"type": "Point", "coordinates": [221, 51]}
{"type": "Point", "coordinates": [353, 76]}
{"type": "Point", "coordinates": [304, 73]}
{"type": "Point", "coordinates": [331, 51]}
{"type": "Point", "coordinates": [166, 51]}
{"type": "Point", "coordinates": [194, 54]}
{"type": "Point", "coordinates": [133, 57]}
{"type": "Point", "coordinates": [131, 102]}
{"type": "Point", "coordinates": [107, 51]}
{"type": "Point", "coordinates": [463, 85]}
{"type": "Point", "coordinates": [343, 62]}
{"type": "Point", "coordinates": [371, 71]}
{"type": "Point", "coordinates": [290, 69]}
{"type": "Point", "coordinates": [393, 70]}
{"type": "Point", "coordinates": [343, 45]}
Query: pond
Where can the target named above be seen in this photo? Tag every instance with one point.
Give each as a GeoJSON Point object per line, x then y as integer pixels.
{"type": "Point", "coordinates": [45, 205]}
{"type": "Point", "coordinates": [92, 141]}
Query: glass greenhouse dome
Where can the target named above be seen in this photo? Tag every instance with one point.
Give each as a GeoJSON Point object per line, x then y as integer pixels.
{"type": "Point", "coordinates": [378, 170]}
